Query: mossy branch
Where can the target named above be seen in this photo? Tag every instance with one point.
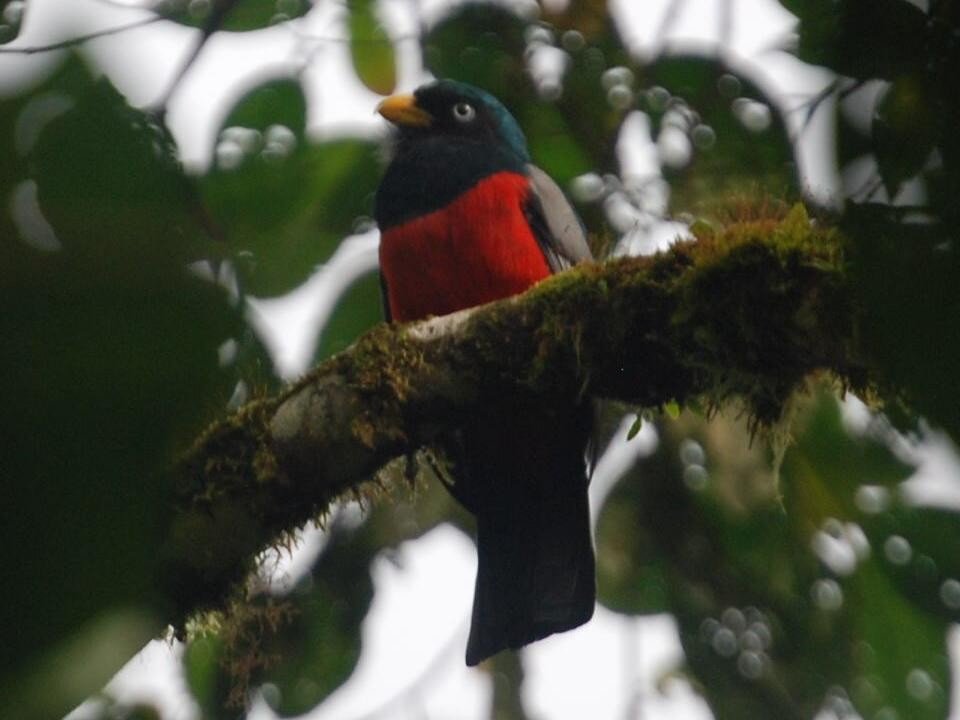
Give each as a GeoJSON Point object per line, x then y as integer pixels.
{"type": "Point", "coordinates": [746, 312]}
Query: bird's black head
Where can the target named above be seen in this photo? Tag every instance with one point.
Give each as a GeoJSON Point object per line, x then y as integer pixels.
{"type": "Point", "coordinates": [458, 112]}
{"type": "Point", "coordinates": [450, 136]}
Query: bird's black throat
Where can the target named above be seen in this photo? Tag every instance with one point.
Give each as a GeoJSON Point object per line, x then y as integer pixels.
{"type": "Point", "coordinates": [428, 172]}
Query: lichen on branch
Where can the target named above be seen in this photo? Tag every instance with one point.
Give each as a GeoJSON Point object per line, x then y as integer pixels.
{"type": "Point", "coordinates": [747, 311]}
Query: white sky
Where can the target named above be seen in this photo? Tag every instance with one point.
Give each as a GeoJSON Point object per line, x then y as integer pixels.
{"type": "Point", "coordinates": [610, 667]}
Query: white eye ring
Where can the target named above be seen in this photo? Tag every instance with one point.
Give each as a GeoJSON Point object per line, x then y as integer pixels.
{"type": "Point", "coordinates": [464, 112]}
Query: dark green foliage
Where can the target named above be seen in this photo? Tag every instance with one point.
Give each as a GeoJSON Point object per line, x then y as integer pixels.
{"type": "Point", "coordinates": [370, 48]}
{"type": "Point", "coordinates": [768, 628]}
{"type": "Point", "coordinates": [905, 129]}
{"type": "Point", "coordinates": [281, 202]}
{"type": "Point", "coordinates": [234, 15]}
{"type": "Point", "coordinates": [830, 469]}
{"type": "Point", "coordinates": [107, 172]}
{"type": "Point", "coordinates": [12, 16]}
{"type": "Point", "coordinates": [304, 643]}
{"type": "Point", "coordinates": [480, 44]}
{"type": "Point", "coordinates": [110, 363]}
{"type": "Point", "coordinates": [358, 311]}
{"type": "Point", "coordinates": [861, 38]}
{"type": "Point", "coordinates": [911, 324]}
{"type": "Point", "coordinates": [905, 260]}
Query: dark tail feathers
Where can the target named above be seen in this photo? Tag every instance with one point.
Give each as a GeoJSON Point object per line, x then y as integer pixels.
{"type": "Point", "coordinates": [526, 482]}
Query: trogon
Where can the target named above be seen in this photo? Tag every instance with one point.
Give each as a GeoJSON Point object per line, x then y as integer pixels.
{"type": "Point", "coordinates": [465, 218]}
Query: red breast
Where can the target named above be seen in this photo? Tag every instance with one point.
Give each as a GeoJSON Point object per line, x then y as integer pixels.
{"type": "Point", "coordinates": [478, 248]}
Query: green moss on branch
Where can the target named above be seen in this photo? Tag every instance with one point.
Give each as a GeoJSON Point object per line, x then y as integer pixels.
{"type": "Point", "coordinates": [748, 312]}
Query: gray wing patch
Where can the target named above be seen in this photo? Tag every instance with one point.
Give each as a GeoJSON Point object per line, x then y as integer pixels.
{"type": "Point", "coordinates": [558, 229]}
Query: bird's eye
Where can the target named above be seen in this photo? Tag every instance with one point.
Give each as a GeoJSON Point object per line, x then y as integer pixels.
{"type": "Point", "coordinates": [464, 112]}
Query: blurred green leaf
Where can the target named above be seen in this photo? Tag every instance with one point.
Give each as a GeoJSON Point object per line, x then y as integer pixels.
{"type": "Point", "coordinates": [587, 17]}
{"type": "Point", "coordinates": [359, 308]}
{"type": "Point", "coordinates": [717, 551]}
{"type": "Point", "coordinates": [904, 131]}
{"type": "Point", "coordinates": [282, 203]}
{"type": "Point", "coordinates": [819, 25]}
{"type": "Point", "coordinates": [78, 665]}
{"type": "Point", "coordinates": [905, 274]}
{"type": "Point", "coordinates": [12, 15]}
{"type": "Point", "coordinates": [482, 44]}
{"type": "Point", "coordinates": [895, 637]}
{"type": "Point", "coordinates": [849, 463]}
{"type": "Point", "coordinates": [111, 365]}
{"type": "Point", "coordinates": [234, 15]}
{"type": "Point", "coordinates": [107, 172]}
{"type": "Point", "coordinates": [22, 119]}
{"type": "Point", "coordinates": [861, 38]}
{"type": "Point", "coordinates": [768, 628]}
{"type": "Point", "coordinates": [919, 551]}
{"type": "Point", "coordinates": [718, 134]}
{"type": "Point", "coordinates": [274, 102]}
{"type": "Point", "coordinates": [205, 676]}
{"type": "Point", "coordinates": [303, 644]}
{"type": "Point", "coordinates": [299, 646]}
{"type": "Point", "coordinates": [370, 48]}
{"type": "Point", "coordinates": [902, 655]}
{"type": "Point", "coordinates": [553, 146]}
{"type": "Point", "coordinates": [630, 578]}
{"type": "Point", "coordinates": [321, 645]}
{"type": "Point", "coordinates": [105, 376]}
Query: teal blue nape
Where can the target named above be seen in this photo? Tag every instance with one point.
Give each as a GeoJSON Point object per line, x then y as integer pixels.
{"type": "Point", "coordinates": [509, 130]}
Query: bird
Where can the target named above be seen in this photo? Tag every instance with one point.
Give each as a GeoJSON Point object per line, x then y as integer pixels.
{"type": "Point", "coordinates": [466, 218]}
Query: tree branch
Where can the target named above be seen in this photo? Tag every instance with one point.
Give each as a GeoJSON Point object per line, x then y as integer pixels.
{"type": "Point", "coordinates": [80, 39]}
{"type": "Point", "coordinates": [746, 312]}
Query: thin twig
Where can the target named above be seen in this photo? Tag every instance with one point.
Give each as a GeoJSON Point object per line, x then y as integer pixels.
{"type": "Point", "coordinates": [867, 189]}
{"type": "Point", "coordinates": [814, 103]}
{"type": "Point", "coordinates": [851, 89]}
{"type": "Point", "coordinates": [218, 15]}
{"type": "Point", "coordinates": [80, 39]}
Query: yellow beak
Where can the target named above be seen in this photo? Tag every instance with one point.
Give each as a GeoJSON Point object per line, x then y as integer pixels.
{"type": "Point", "coordinates": [403, 110]}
